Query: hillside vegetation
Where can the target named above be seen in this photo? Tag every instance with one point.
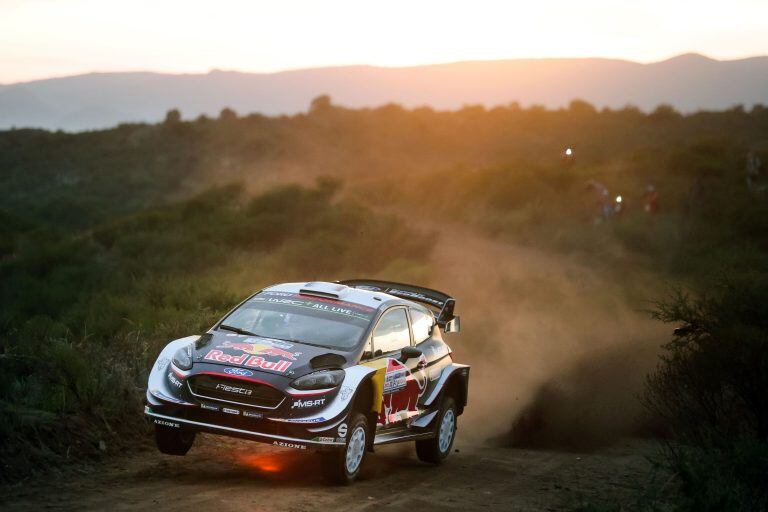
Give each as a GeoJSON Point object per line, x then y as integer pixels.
{"type": "Point", "coordinates": [116, 241]}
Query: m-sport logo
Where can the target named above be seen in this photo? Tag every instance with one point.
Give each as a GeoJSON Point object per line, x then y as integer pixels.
{"type": "Point", "coordinates": [240, 372]}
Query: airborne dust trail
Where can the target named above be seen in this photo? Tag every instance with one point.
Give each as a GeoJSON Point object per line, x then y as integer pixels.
{"type": "Point", "coordinates": [549, 337]}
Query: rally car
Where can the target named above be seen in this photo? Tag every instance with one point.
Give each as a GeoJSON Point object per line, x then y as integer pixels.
{"type": "Point", "coordinates": [333, 367]}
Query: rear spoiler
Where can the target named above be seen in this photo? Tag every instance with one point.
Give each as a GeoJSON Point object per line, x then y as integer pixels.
{"type": "Point", "coordinates": [441, 302]}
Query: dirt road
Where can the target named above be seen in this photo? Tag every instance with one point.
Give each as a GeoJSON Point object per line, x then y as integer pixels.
{"type": "Point", "coordinates": [228, 475]}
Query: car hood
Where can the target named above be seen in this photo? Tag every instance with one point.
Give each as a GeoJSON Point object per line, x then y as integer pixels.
{"type": "Point", "coordinates": [290, 359]}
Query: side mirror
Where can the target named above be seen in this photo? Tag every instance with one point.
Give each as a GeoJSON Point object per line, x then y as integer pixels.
{"type": "Point", "coordinates": [454, 325]}
{"type": "Point", "coordinates": [407, 353]}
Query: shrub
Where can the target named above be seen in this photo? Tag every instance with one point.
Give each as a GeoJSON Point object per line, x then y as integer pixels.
{"type": "Point", "coordinates": [710, 387]}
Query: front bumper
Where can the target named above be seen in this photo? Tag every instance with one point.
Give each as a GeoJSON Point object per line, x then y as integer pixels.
{"type": "Point", "coordinates": [286, 441]}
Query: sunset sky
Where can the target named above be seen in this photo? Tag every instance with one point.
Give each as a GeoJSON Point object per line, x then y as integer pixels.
{"type": "Point", "coordinates": [43, 38]}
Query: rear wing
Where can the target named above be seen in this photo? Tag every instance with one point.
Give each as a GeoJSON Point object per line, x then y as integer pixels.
{"type": "Point", "coordinates": [442, 303]}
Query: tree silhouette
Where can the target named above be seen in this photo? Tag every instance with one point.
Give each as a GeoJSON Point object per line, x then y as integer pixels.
{"type": "Point", "coordinates": [173, 116]}
{"type": "Point", "coordinates": [227, 114]}
{"type": "Point", "coordinates": [320, 104]}
{"type": "Point", "coordinates": [664, 112]}
{"type": "Point", "coordinates": [581, 107]}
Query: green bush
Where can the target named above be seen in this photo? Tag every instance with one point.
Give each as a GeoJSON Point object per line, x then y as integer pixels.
{"type": "Point", "coordinates": [710, 388]}
{"type": "Point", "coordinates": [722, 479]}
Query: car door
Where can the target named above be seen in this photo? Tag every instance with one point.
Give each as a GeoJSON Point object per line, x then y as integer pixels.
{"type": "Point", "coordinates": [400, 385]}
{"type": "Point", "coordinates": [435, 353]}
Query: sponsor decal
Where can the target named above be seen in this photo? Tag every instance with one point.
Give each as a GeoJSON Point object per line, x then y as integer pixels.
{"type": "Point", "coordinates": [162, 363]}
{"type": "Point", "coordinates": [396, 377]}
{"type": "Point", "coordinates": [318, 419]}
{"type": "Point", "coordinates": [401, 393]}
{"type": "Point", "coordinates": [301, 404]}
{"type": "Point", "coordinates": [234, 389]}
{"type": "Point", "coordinates": [406, 293]}
{"type": "Point", "coordinates": [336, 306]}
{"type": "Point", "coordinates": [346, 392]}
{"type": "Point", "coordinates": [251, 414]}
{"type": "Point", "coordinates": [340, 440]}
{"type": "Point", "coordinates": [417, 296]}
{"type": "Point", "coordinates": [344, 304]}
{"type": "Point", "coordinates": [240, 372]}
{"type": "Point", "coordinates": [165, 423]}
{"type": "Point", "coordinates": [283, 444]}
{"type": "Point", "coordinates": [342, 431]}
{"type": "Point", "coordinates": [230, 411]}
{"type": "Point", "coordinates": [324, 439]}
{"type": "Point", "coordinates": [209, 407]}
{"type": "Point", "coordinates": [174, 380]}
{"type": "Point", "coordinates": [262, 347]}
{"type": "Point", "coordinates": [333, 309]}
{"type": "Point", "coordinates": [248, 360]}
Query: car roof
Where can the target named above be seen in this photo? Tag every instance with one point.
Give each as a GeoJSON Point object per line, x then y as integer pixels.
{"type": "Point", "coordinates": [338, 291]}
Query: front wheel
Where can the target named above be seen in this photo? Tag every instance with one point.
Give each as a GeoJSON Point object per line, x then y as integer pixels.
{"type": "Point", "coordinates": [436, 449]}
{"type": "Point", "coordinates": [173, 441]}
{"type": "Point", "coordinates": [343, 466]}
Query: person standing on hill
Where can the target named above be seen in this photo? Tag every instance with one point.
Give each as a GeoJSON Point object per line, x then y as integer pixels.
{"type": "Point", "coordinates": [754, 166]}
{"type": "Point", "coordinates": [603, 199]}
{"type": "Point", "coordinates": [650, 200]}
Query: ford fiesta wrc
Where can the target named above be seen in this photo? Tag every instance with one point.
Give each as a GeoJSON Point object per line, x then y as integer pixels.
{"type": "Point", "coordinates": [336, 368]}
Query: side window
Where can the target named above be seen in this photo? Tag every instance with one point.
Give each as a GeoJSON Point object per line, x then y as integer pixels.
{"type": "Point", "coordinates": [367, 351]}
{"type": "Point", "coordinates": [421, 323]}
{"type": "Point", "coordinates": [391, 333]}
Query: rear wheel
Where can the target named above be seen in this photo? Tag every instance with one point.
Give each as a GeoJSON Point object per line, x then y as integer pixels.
{"type": "Point", "coordinates": [343, 466]}
{"type": "Point", "coordinates": [436, 449]}
{"type": "Point", "coordinates": [173, 441]}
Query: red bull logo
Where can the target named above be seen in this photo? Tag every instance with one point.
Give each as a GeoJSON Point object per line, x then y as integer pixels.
{"type": "Point", "coordinates": [401, 394]}
{"type": "Point", "coordinates": [252, 361]}
{"type": "Point", "coordinates": [262, 349]}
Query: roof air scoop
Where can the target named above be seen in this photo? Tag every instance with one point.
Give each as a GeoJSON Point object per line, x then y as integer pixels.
{"type": "Point", "coordinates": [322, 289]}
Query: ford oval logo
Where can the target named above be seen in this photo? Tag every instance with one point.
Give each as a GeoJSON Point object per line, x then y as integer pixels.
{"type": "Point", "coordinates": [240, 372]}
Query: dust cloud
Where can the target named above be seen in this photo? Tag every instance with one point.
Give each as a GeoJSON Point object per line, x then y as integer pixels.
{"type": "Point", "coordinates": [559, 348]}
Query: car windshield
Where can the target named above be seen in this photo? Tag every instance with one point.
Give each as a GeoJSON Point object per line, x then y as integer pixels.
{"type": "Point", "coordinates": [301, 318]}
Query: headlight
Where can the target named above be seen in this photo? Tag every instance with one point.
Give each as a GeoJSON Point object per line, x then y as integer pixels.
{"type": "Point", "coordinates": [319, 380]}
{"type": "Point", "coordinates": [182, 359]}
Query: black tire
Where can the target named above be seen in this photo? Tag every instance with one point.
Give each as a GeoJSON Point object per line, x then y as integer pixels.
{"type": "Point", "coordinates": [429, 450]}
{"type": "Point", "coordinates": [335, 467]}
{"type": "Point", "coordinates": [173, 441]}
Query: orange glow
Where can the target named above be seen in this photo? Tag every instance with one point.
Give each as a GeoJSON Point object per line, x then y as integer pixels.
{"type": "Point", "coordinates": [264, 462]}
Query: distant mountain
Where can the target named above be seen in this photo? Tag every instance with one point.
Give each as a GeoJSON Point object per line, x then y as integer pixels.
{"type": "Point", "coordinates": [688, 82]}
